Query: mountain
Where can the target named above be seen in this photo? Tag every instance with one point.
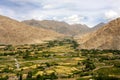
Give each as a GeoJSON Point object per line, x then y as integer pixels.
{"type": "Point", "coordinates": [79, 29]}
{"type": "Point", "coordinates": [15, 32]}
{"type": "Point", "coordinates": [60, 27]}
{"type": "Point", "coordinates": [107, 37]}
{"type": "Point", "coordinates": [98, 26]}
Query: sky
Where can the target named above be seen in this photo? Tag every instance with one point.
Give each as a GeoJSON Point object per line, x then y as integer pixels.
{"type": "Point", "coordinates": [89, 12]}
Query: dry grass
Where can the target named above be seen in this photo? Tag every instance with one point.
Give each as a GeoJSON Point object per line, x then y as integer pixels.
{"type": "Point", "coordinates": [59, 49]}
{"type": "Point", "coordinates": [64, 69]}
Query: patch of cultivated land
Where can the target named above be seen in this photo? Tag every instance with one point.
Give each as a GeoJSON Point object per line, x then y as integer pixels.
{"type": "Point", "coordinates": [59, 59]}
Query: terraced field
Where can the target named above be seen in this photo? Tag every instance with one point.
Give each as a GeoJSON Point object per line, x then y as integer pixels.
{"type": "Point", "coordinates": [57, 60]}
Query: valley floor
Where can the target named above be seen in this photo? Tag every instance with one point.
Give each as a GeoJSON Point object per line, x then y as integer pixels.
{"type": "Point", "coordinates": [58, 60]}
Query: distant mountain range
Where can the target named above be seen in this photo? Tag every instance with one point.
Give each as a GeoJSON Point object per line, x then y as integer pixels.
{"type": "Point", "coordinates": [107, 37]}
{"type": "Point", "coordinates": [61, 27]}
{"type": "Point", "coordinates": [14, 32]}
{"type": "Point", "coordinates": [102, 36]}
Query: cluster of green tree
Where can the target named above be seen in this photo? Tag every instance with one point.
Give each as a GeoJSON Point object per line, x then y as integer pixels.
{"type": "Point", "coordinates": [9, 47]}
{"type": "Point", "coordinates": [103, 76]}
{"type": "Point", "coordinates": [6, 70]}
{"type": "Point", "coordinates": [7, 53]}
{"type": "Point", "coordinates": [51, 76]}
{"type": "Point", "coordinates": [116, 64]}
{"type": "Point", "coordinates": [89, 65]}
{"type": "Point", "coordinates": [51, 64]}
{"type": "Point", "coordinates": [114, 57]}
{"type": "Point", "coordinates": [47, 54]}
{"type": "Point", "coordinates": [107, 58]}
{"type": "Point", "coordinates": [63, 42]}
{"type": "Point", "coordinates": [26, 54]}
{"type": "Point", "coordinates": [74, 44]}
{"type": "Point", "coordinates": [96, 51]}
{"type": "Point", "coordinates": [38, 47]}
{"type": "Point", "coordinates": [4, 78]}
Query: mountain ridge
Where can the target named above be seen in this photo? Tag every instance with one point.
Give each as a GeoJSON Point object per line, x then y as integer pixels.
{"type": "Point", "coordinates": [15, 32]}
{"type": "Point", "coordinates": [104, 38]}
{"type": "Point", "coordinates": [58, 26]}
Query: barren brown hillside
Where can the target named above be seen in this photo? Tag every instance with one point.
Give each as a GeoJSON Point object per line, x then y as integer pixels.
{"type": "Point", "coordinates": [14, 32]}
{"type": "Point", "coordinates": [107, 37]}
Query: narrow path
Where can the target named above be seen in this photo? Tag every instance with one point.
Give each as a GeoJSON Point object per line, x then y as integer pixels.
{"type": "Point", "coordinates": [102, 67]}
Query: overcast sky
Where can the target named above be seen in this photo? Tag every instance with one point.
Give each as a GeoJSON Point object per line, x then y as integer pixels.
{"type": "Point", "coordinates": [89, 12]}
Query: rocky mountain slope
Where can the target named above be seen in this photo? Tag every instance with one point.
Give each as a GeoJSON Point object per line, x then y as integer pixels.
{"type": "Point", "coordinates": [98, 26]}
{"type": "Point", "coordinates": [82, 36]}
{"type": "Point", "coordinates": [107, 37]}
{"type": "Point", "coordinates": [14, 32]}
{"type": "Point", "coordinates": [79, 29]}
{"type": "Point", "coordinates": [60, 27]}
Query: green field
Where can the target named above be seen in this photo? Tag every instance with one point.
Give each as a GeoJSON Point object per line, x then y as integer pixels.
{"type": "Point", "coordinates": [58, 60]}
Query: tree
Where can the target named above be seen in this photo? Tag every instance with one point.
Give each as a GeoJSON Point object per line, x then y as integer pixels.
{"type": "Point", "coordinates": [53, 76]}
{"type": "Point", "coordinates": [101, 76]}
{"type": "Point", "coordinates": [29, 76]}
{"type": "Point", "coordinates": [75, 44]}
{"type": "Point", "coordinates": [89, 65]}
{"type": "Point", "coordinates": [39, 77]}
{"type": "Point", "coordinates": [20, 77]}
{"type": "Point", "coordinates": [4, 78]}
{"type": "Point", "coordinates": [47, 64]}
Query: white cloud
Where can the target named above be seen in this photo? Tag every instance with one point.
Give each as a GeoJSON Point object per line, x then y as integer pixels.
{"type": "Point", "coordinates": [7, 12]}
{"type": "Point", "coordinates": [109, 15]}
{"type": "Point", "coordinates": [89, 12]}
{"type": "Point", "coordinates": [74, 19]}
{"type": "Point", "coordinates": [25, 1]}
{"type": "Point", "coordinates": [48, 6]}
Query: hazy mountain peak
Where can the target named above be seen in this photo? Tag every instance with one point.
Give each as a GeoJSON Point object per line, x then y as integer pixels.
{"type": "Point", "coordinates": [59, 26]}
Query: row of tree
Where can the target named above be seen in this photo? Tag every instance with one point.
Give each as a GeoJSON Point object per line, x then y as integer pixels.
{"type": "Point", "coordinates": [51, 76]}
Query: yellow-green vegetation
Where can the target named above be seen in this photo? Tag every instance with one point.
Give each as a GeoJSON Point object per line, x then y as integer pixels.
{"type": "Point", "coordinates": [59, 59]}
